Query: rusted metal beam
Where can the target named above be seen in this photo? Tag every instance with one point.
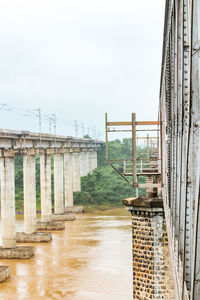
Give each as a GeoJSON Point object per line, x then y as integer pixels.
{"type": "Point", "coordinates": [138, 123]}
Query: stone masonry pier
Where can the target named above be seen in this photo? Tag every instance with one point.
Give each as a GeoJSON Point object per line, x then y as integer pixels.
{"type": "Point", "coordinates": [149, 237]}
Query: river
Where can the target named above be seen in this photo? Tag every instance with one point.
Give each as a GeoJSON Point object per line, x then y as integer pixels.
{"type": "Point", "coordinates": [90, 260]}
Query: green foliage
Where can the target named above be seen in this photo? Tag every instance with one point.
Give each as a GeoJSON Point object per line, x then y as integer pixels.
{"type": "Point", "coordinates": [104, 185]}
{"type": "Point", "coordinates": [86, 136]}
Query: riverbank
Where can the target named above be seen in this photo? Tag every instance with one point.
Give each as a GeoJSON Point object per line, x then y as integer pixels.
{"type": "Point", "coordinates": [90, 208]}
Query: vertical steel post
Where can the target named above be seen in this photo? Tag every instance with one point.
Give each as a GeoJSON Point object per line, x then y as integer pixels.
{"type": "Point", "coordinates": [147, 145]}
{"type": "Point", "coordinates": [134, 155]}
{"type": "Point", "coordinates": [106, 133]}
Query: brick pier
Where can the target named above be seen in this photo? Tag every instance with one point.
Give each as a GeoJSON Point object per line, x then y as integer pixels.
{"type": "Point", "coordinates": [149, 236]}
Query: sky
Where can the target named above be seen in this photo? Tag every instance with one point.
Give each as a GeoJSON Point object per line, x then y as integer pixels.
{"type": "Point", "coordinates": [79, 59]}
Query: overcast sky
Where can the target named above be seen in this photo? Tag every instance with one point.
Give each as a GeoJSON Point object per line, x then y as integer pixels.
{"type": "Point", "coordinates": [79, 59]}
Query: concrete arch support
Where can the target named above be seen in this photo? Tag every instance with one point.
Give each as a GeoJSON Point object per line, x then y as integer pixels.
{"type": "Point", "coordinates": [29, 194]}
{"type": "Point", "coordinates": [76, 172]}
{"type": "Point", "coordinates": [8, 229]}
{"type": "Point", "coordinates": [45, 186]}
{"type": "Point", "coordinates": [58, 184]}
{"type": "Point", "coordinates": [68, 179]}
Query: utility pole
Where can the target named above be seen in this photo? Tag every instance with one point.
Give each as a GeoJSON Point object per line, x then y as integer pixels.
{"type": "Point", "coordinates": [83, 129]}
{"type": "Point", "coordinates": [94, 135]}
{"type": "Point", "coordinates": [88, 131]}
{"type": "Point", "coordinates": [51, 121]}
{"type": "Point", "coordinates": [76, 128]}
{"type": "Point", "coordinates": [40, 123]}
{"type": "Point", "coordinates": [54, 120]}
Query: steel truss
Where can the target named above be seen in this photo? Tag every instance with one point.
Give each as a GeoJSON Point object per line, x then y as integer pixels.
{"type": "Point", "coordinates": [180, 141]}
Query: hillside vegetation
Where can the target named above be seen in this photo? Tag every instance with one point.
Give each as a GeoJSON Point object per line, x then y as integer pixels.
{"type": "Point", "coordinates": [103, 187]}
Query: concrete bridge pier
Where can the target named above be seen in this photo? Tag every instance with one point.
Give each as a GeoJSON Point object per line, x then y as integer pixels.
{"type": "Point", "coordinates": [8, 230]}
{"type": "Point", "coordinates": [87, 157]}
{"type": "Point", "coordinates": [46, 222]}
{"type": "Point", "coordinates": [30, 235]}
{"type": "Point", "coordinates": [68, 179]}
{"type": "Point", "coordinates": [90, 162]}
{"type": "Point", "coordinates": [76, 172]}
{"type": "Point", "coordinates": [45, 185]}
{"type": "Point", "coordinates": [58, 184]}
{"type": "Point", "coordinates": [83, 163]}
{"type": "Point", "coordinates": [59, 213]}
{"type": "Point", "coordinates": [94, 160]}
{"type": "Point", "coordinates": [69, 171]}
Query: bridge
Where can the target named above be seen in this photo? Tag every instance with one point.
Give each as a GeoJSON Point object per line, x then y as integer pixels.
{"type": "Point", "coordinates": [172, 172]}
{"type": "Point", "coordinates": [175, 199]}
{"type": "Point", "coordinates": [72, 159]}
{"type": "Point", "coordinates": [179, 116]}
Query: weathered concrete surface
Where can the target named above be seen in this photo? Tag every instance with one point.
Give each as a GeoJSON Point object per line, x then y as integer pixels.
{"type": "Point", "coordinates": [76, 172]}
{"type": "Point", "coordinates": [143, 202]}
{"type": "Point", "coordinates": [64, 217]}
{"type": "Point", "coordinates": [94, 160]}
{"type": "Point", "coordinates": [29, 194]}
{"type": "Point", "coordinates": [50, 225]}
{"type": "Point", "coordinates": [4, 273]}
{"type": "Point", "coordinates": [45, 186]}
{"type": "Point", "coordinates": [68, 179]}
{"type": "Point", "coordinates": [83, 164]}
{"type": "Point", "coordinates": [7, 181]}
{"type": "Point", "coordinates": [74, 209]}
{"type": "Point", "coordinates": [36, 237]}
{"type": "Point", "coordinates": [19, 252]}
{"type": "Point", "coordinates": [58, 183]}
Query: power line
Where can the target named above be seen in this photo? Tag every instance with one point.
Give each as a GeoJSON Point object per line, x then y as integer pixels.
{"type": "Point", "coordinates": [82, 128]}
{"type": "Point", "coordinates": [76, 126]}
{"type": "Point", "coordinates": [52, 121]}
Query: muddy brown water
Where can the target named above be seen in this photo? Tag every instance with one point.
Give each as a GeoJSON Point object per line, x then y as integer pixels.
{"type": "Point", "coordinates": [90, 260]}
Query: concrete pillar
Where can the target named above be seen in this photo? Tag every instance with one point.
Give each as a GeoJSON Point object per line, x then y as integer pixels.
{"type": "Point", "coordinates": [45, 186]}
{"type": "Point", "coordinates": [8, 230]}
{"type": "Point", "coordinates": [90, 162]}
{"type": "Point", "coordinates": [68, 179]}
{"type": "Point", "coordinates": [58, 184]}
{"type": "Point", "coordinates": [83, 164]}
{"type": "Point", "coordinates": [94, 160]}
{"type": "Point", "coordinates": [29, 194]}
{"type": "Point", "coordinates": [76, 172]}
{"type": "Point", "coordinates": [87, 163]}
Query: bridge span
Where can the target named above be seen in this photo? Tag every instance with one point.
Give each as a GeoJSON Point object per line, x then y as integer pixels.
{"type": "Point", "coordinates": [72, 158]}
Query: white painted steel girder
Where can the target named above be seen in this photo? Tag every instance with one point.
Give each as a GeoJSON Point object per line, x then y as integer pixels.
{"type": "Point", "coordinates": [180, 116]}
